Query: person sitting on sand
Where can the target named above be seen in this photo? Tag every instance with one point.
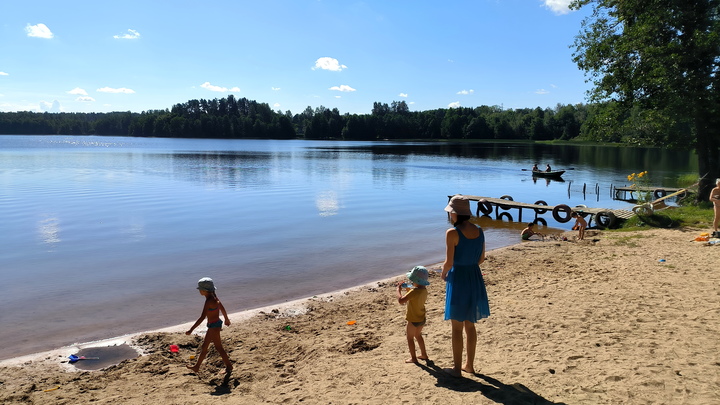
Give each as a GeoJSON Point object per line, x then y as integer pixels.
{"type": "Point", "coordinates": [580, 225]}
{"type": "Point", "coordinates": [528, 232]}
{"type": "Point", "coordinates": [415, 314]}
{"type": "Point", "coordinates": [211, 311]}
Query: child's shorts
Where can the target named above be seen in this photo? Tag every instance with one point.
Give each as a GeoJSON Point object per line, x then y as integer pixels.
{"type": "Point", "coordinates": [418, 324]}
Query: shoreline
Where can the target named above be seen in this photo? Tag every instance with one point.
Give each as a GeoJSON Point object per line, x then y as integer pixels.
{"type": "Point", "coordinates": [285, 309]}
{"type": "Point", "coordinates": [621, 317]}
{"type": "Point", "coordinates": [235, 317]}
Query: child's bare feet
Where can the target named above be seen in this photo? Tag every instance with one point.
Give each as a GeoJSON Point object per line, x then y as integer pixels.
{"type": "Point", "coordinates": [423, 357]}
{"type": "Point", "coordinates": [411, 360]}
{"type": "Point", "coordinates": [194, 369]}
{"type": "Point", "coordinates": [469, 370]}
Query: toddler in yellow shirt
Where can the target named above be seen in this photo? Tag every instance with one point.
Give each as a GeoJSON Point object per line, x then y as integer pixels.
{"type": "Point", "coordinates": [415, 314]}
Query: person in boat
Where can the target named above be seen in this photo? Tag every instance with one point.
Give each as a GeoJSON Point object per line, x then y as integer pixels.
{"type": "Point", "coordinates": [535, 168]}
{"type": "Point", "coordinates": [547, 168]}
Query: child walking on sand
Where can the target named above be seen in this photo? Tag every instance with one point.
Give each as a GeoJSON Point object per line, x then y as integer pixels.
{"type": "Point", "coordinates": [415, 314]}
{"type": "Point", "coordinates": [211, 311]}
{"type": "Point", "coordinates": [580, 225]}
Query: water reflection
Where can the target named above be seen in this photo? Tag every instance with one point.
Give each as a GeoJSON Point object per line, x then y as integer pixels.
{"type": "Point", "coordinates": [327, 203]}
{"type": "Point", "coordinates": [49, 230]}
{"type": "Point", "coordinates": [547, 180]}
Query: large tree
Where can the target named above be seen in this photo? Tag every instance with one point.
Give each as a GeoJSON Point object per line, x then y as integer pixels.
{"type": "Point", "coordinates": [655, 66]}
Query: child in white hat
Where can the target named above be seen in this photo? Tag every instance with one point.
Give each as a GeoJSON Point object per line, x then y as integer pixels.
{"type": "Point", "coordinates": [211, 310]}
{"type": "Point", "coordinates": [415, 314]}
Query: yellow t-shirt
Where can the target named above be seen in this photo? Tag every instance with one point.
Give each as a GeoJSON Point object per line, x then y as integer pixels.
{"type": "Point", "coordinates": [416, 305]}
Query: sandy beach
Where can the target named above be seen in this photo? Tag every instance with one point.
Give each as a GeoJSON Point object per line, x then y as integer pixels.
{"type": "Point", "coordinates": [619, 318]}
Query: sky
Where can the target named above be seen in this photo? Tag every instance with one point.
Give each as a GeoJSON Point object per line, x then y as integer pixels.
{"type": "Point", "coordinates": [100, 56]}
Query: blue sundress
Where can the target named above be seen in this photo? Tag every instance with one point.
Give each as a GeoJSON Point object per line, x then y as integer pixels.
{"type": "Point", "coordinates": [465, 295]}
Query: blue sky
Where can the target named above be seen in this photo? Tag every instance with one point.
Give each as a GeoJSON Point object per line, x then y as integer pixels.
{"type": "Point", "coordinates": [99, 56]}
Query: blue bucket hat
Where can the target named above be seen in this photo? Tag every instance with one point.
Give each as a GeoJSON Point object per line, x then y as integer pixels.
{"type": "Point", "coordinates": [419, 275]}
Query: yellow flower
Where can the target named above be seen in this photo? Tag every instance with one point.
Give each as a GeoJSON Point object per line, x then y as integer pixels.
{"type": "Point", "coordinates": [641, 174]}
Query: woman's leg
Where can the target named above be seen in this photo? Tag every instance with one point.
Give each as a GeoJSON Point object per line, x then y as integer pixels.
{"type": "Point", "coordinates": [471, 345]}
{"type": "Point", "coordinates": [457, 345]}
{"type": "Point", "coordinates": [716, 220]}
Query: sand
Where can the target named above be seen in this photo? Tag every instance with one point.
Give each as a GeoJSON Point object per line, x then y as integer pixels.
{"type": "Point", "coordinates": [600, 321]}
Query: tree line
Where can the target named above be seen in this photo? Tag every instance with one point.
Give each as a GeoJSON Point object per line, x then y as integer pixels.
{"type": "Point", "coordinates": [233, 118]}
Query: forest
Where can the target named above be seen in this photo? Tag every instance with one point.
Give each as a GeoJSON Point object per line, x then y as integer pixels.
{"type": "Point", "coordinates": [232, 118]}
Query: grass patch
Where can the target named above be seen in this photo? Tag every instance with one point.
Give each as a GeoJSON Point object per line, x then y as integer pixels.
{"type": "Point", "coordinates": [627, 241]}
{"type": "Point", "coordinates": [695, 216]}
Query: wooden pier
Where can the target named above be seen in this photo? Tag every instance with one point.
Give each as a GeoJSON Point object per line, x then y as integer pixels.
{"type": "Point", "coordinates": [657, 192]}
{"type": "Point", "coordinates": [603, 217]}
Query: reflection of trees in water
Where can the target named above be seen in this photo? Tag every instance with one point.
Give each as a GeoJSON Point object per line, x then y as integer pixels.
{"type": "Point", "coordinates": [225, 169]}
{"type": "Point", "coordinates": [389, 160]}
{"type": "Point", "coordinates": [617, 158]}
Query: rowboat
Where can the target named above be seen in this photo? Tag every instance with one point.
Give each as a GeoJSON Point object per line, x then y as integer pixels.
{"type": "Point", "coordinates": [553, 174]}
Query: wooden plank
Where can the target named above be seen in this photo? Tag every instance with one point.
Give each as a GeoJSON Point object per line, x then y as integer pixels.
{"type": "Point", "coordinates": [619, 213]}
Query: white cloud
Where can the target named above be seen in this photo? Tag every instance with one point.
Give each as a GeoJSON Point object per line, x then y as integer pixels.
{"type": "Point", "coordinates": [120, 90]}
{"type": "Point", "coordinates": [78, 91]}
{"type": "Point", "coordinates": [276, 105]}
{"type": "Point", "coordinates": [541, 91]}
{"type": "Point", "coordinates": [338, 96]}
{"type": "Point", "coordinates": [466, 92]}
{"type": "Point", "coordinates": [553, 86]}
{"type": "Point", "coordinates": [131, 34]}
{"type": "Point", "coordinates": [85, 99]}
{"type": "Point", "coordinates": [220, 89]}
{"type": "Point", "coordinates": [411, 103]}
{"type": "Point", "coordinates": [402, 95]}
{"type": "Point", "coordinates": [38, 31]}
{"type": "Point", "coordinates": [4, 74]}
{"type": "Point", "coordinates": [50, 107]}
{"type": "Point", "coordinates": [274, 88]}
{"type": "Point", "coordinates": [558, 6]}
{"type": "Point", "coordinates": [328, 64]}
{"type": "Point", "coordinates": [342, 87]}
{"type": "Point", "coordinates": [454, 105]}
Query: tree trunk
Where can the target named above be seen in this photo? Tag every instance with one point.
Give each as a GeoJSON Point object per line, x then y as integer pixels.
{"type": "Point", "coordinates": [708, 151]}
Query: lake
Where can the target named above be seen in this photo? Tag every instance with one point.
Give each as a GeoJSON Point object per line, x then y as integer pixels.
{"type": "Point", "coordinates": [104, 236]}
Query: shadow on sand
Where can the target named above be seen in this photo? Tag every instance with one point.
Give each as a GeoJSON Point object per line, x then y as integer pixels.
{"type": "Point", "coordinates": [492, 389]}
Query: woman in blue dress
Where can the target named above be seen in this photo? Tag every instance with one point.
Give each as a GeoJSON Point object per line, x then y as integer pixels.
{"type": "Point", "coordinates": [466, 299]}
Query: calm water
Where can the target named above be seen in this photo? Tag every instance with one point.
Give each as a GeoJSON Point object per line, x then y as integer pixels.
{"type": "Point", "coordinates": [103, 236]}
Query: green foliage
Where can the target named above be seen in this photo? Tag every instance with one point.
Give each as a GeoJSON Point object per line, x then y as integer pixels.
{"type": "Point", "coordinates": [655, 66]}
{"type": "Point", "coordinates": [243, 118]}
{"type": "Point", "coordinates": [687, 180]}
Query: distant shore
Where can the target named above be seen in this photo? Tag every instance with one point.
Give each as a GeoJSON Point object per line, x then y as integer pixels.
{"type": "Point", "coordinates": [622, 317]}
